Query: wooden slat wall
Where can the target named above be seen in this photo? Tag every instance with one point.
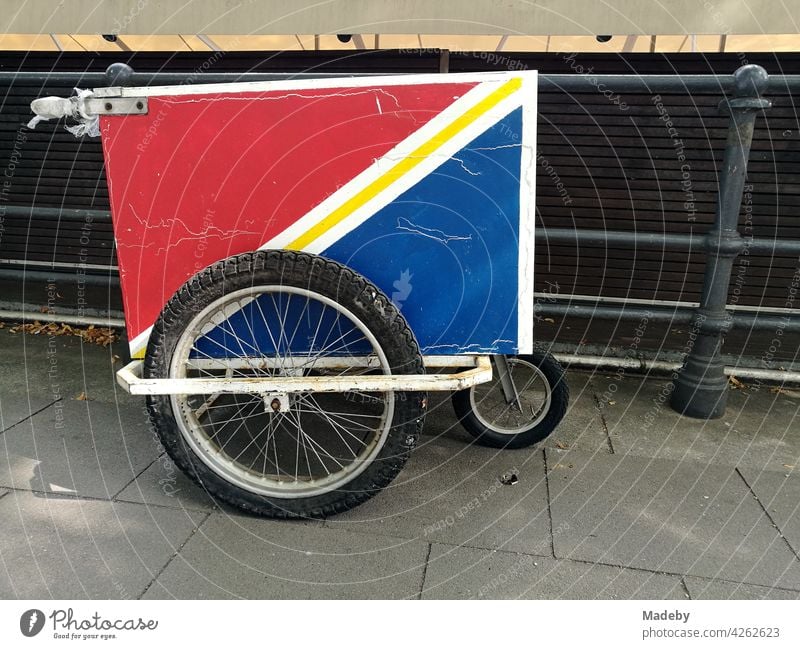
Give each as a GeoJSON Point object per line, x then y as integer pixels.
{"type": "Point", "coordinates": [621, 171]}
{"type": "Point", "coordinates": [619, 168]}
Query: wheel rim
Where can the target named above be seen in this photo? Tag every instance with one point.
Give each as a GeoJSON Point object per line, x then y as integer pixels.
{"type": "Point", "coordinates": [322, 441]}
{"type": "Point", "coordinates": [489, 405]}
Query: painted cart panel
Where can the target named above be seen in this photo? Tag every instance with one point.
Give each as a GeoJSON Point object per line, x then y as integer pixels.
{"type": "Point", "coordinates": [424, 184]}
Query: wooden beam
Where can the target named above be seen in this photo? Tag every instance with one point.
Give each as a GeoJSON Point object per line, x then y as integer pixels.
{"type": "Point", "coordinates": [517, 17]}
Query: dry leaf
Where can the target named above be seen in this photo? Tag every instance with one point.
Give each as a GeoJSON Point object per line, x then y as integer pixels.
{"type": "Point", "coordinates": [561, 445]}
{"type": "Point", "coordinates": [788, 392]}
{"type": "Point", "coordinates": [736, 384]}
{"type": "Point", "coordinates": [102, 336]}
{"type": "Point", "coordinates": [788, 466]}
{"type": "Point", "coordinates": [549, 320]}
{"type": "Point", "coordinates": [82, 397]}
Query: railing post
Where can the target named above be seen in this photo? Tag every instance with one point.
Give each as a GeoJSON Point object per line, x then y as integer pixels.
{"type": "Point", "coordinates": [119, 74]}
{"type": "Point", "coordinates": [701, 387]}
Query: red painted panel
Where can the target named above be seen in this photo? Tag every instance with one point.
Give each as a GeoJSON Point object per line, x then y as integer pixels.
{"type": "Point", "coordinates": [202, 177]}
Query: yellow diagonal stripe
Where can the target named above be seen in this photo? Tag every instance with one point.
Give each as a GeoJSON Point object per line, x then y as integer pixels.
{"type": "Point", "coordinates": [406, 164]}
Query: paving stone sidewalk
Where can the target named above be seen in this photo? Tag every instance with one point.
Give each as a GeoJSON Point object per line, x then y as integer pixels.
{"type": "Point", "coordinates": [625, 500]}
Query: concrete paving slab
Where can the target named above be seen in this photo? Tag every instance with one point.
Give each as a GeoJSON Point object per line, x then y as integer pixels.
{"type": "Point", "coordinates": [467, 573]}
{"type": "Point", "coordinates": [779, 494]}
{"type": "Point", "coordinates": [86, 448]}
{"type": "Point", "coordinates": [29, 363]}
{"type": "Point", "coordinates": [719, 589]}
{"type": "Point", "coordinates": [441, 422]}
{"type": "Point", "coordinates": [17, 406]}
{"type": "Point", "coordinates": [455, 493]}
{"type": "Point", "coordinates": [20, 396]}
{"type": "Point", "coordinates": [164, 484]}
{"type": "Point", "coordinates": [62, 367]}
{"type": "Point", "coordinates": [582, 427]}
{"type": "Point", "coordinates": [759, 429]}
{"type": "Point", "coordinates": [660, 515]}
{"type": "Point", "coordinates": [67, 548]}
{"type": "Point", "coordinates": [238, 556]}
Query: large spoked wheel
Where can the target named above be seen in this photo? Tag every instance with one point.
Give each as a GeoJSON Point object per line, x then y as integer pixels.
{"type": "Point", "coordinates": [520, 413]}
{"type": "Point", "coordinates": [285, 314]}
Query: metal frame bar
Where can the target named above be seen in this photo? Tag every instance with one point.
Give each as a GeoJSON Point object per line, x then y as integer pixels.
{"type": "Point", "coordinates": [651, 366]}
{"type": "Point", "coordinates": [479, 370]}
{"type": "Point", "coordinates": [789, 322]}
{"type": "Point", "coordinates": [510, 393]}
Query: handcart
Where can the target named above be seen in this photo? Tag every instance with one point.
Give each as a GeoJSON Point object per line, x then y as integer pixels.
{"type": "Point", "coordinates": [301, 261]}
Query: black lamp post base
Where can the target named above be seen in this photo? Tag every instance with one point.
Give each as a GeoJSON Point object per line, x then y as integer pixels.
{"type": "Point", "coordinates": [700, 398]}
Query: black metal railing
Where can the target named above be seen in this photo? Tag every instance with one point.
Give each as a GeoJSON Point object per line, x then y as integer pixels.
{"type": "Point", "coordinates": [701, 387]}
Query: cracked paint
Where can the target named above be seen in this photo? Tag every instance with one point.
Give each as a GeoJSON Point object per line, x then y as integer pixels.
{"type": "Point", "coordinates": [496, 148]}
{"type": "Point", "coordinates": [277, 97]}
{"type": "Point", "coordinates": [475, 348]}
{"type": "Point", "coordinates": [209, 232]}
{"type": "Point", "coordinates": [431, 233]}
{"type": "Point", "coordinates": [464, 167]}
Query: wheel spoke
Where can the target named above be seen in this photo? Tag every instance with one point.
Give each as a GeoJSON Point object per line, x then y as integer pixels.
{"type": "Point", "coordinates": [278, 357]}
{"type": "Point", "coordinates": [316, 442]}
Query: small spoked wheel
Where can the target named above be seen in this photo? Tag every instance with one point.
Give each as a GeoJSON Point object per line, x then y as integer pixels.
{"type": "Point", "coordinates": [522, 404]}
{"type": "Point", "coordinates": [274, 314]}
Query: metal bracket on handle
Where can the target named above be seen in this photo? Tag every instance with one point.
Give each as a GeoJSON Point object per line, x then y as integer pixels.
{"type": "Point", "coordinates": [85, 109]}
{"type": "Point", "coordinates": [116, 105]}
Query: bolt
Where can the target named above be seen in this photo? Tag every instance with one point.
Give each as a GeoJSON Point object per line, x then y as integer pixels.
{"type": "Point", "coordinates": [275, 405]}
{"type": "Point", "coordinates": [108, 106]}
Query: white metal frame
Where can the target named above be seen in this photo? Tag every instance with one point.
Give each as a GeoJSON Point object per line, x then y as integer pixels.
{"type": "Point", "coordinates": [471, 370]}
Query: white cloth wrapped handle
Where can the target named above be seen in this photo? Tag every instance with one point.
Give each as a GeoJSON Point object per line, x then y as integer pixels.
{"type": "Point", "coordinates": [46, 108]}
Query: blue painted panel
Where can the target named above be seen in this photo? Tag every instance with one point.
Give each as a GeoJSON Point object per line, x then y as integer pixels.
{"type": "Point", "coordinates": [282, 322]}
{"type": "Point", "coordinates": [446, 251]}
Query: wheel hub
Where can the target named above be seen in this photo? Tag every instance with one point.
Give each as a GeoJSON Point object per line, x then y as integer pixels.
{"type": "Point", "coordinates": [276, 401]}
